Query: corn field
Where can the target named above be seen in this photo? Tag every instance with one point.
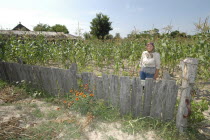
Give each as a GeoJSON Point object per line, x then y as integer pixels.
{"type": "Point", "coordinates": [115, 54]}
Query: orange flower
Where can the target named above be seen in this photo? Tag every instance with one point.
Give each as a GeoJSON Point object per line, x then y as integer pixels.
{"type": "Point", "coordinates": [77, 94]}
{"type": "Point", "coordinates": [71, 91]}
{"type": "Point", "coordinates": [92, 95]}
{"type": "Point", "coordinates": [84, 96]}
{"type": "Point", "coordinates": [64, 102]}
{"type": "Point", "coordinates": [81, 93]}
{"type": "Point", "coordinates": [77, 99]}
{"type": "Point", "coordinates": [86, 86]}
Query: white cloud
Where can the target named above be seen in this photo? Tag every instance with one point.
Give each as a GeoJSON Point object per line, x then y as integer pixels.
{"type": "Point", "coordinates": [133, 8]}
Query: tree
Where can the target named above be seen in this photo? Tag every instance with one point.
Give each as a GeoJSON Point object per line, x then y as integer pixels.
{"type": "Point", "coordinates": [155, 31]}
{"type": "Point", "coordinates": [109, 36]}
{"type": "Point", "coordinates": [41, 27]}
{"type": "Point", "coordinates": [59, 28]}
{"type": "Point", "coordinates": [100, 26]}
{"type": "Point", "coordinates": [177, 34]}
{"type": "Point", "coordinates": [117, 36]}
{"type": "Point", "coordinates": [87, 35]}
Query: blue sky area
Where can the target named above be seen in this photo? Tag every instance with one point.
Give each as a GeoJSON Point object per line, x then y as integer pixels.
{"type": "Point", "coordinates": [125, 15]}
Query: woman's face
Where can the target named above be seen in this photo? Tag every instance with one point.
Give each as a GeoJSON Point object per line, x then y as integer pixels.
{"type": "Point", "coordinates": [149, 47]}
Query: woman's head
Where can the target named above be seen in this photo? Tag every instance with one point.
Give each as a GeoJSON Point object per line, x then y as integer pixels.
{"type": "Point", "coordinates": [150, 47]}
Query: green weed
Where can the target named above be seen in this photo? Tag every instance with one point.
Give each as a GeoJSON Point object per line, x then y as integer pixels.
{"type": "Point", "coordinates": [53, 130]}
{"type": "Point", "coordinates": [37, 113]}
{"type": "Point", "coordinates": [2, 84]}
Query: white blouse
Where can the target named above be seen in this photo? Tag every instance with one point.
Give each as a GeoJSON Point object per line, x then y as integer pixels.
{"type": "Point", "coordinates": [150, 60]}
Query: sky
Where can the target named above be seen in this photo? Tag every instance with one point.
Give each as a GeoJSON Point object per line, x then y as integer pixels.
{"type": "Point", "coordinates": [125, 15]}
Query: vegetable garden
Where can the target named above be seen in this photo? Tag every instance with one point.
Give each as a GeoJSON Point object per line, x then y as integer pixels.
{"type": "Point", "coordinates": [122, 56]}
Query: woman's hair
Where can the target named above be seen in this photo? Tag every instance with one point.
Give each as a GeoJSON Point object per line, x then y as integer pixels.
{"type": "Point", "coordinates": [151, 43]}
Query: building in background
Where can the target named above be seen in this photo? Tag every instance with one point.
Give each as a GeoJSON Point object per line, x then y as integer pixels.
{"type": "Point", "coordinates": [20, 27]}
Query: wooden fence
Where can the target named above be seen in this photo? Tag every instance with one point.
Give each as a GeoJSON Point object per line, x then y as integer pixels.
{"type": "Point", "coordinates": [157, 99]}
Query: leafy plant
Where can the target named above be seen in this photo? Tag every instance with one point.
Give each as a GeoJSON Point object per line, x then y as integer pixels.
{"type": "Point", "coordinates": [197, 111]}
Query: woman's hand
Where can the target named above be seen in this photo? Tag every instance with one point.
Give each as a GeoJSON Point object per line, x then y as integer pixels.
{"type": "Point", "coordinates": [155, 76]}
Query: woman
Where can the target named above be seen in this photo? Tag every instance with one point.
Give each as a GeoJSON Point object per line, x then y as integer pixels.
{"type": "Point", "coordinates": [149, 63]}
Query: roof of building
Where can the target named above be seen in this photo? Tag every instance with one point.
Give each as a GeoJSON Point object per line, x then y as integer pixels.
{"type": "Point", "coordinates": [36, 33]}
{"type": "Point", "coordinates": [20, 27]}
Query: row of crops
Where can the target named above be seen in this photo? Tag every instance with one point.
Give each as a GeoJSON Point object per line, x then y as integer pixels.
{"type": "Point", "coordinates": [115, 54]}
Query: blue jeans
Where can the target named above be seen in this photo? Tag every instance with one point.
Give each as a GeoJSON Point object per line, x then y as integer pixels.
{"type": "Point", "coordinates": [144, 75]}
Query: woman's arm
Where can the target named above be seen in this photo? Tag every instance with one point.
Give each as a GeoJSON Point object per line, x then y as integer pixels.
{"type": "Point", "coordinates": [140, 63]}
{"type": "Point", "coordinates": [156, 74]}
{"type": "Point", "coordinates": [157, 65]}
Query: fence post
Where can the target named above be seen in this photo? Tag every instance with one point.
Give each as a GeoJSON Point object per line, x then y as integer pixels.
{"type": "Point", "coordinates": [189, 70]}
{"type": "Point", "coordinates": [73, 70]}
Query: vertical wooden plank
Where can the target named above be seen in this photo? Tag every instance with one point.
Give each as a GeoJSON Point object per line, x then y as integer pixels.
{"type": "Point", "coordinates": [53, 82]}
{"type": "Point", "coordinates": [114, 90]}
{"type": "Point", "coordinates": [136, 97]}
{"type": "Point", "coordinates": [45, 77]}
{"type": "Point", "coordinates": [92, 85]}
{"type": "Point", "coordinates": [68, 81]}
{"type": "Point", "coordinates": [159, 104]}
{"type": "Point", "coordinates": [99, 88]}
{"type": "Point", "coordinates": [21, 72]}
{"type": "Point", "coordinates": [33, 78]}
{"type": "Point", "coordinates": [189, 68]}
{"type": "Point", "coordinates": [28, 73]}
{"type": "Point", "coordinates": [106, 84]}
{"type": "Point", "coordinates": [125, 95]}
{"type": "Point", "coordinates": [63, 80]}
{"type": "Point", "coordinates": [17, 68]}
{"type": "Point", "coordinates": [149, 87]}
{"type": "Point", "coordinates": [73, 70]}
{"type": "Point", "coordinates": [58, 77]}
{"type": "Point", "coordinates": [2, 71]}
{"type": "Point", "coordinates": [155, 99]}
{"type": "Point", "coordinates": [37, 77]}
{"type": "Point", "coordinates": [171, 95]}
{"type": "Point", "coordinates": [8, 71]}
{"type": "Point", "coordinates": [13, 72]}
{"type": "Point", "coordinates": [85, 78]}
{"type": "Point", "coordinates": [25, 73]}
